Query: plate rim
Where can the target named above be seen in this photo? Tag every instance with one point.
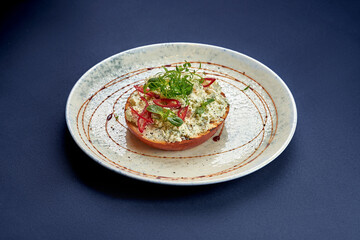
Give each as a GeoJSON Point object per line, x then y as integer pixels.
{"type": "Point", "coordinates": [193, 182]}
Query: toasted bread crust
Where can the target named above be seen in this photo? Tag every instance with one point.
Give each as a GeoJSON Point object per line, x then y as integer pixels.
{"type": "Point", "coordinates": [176, 146]}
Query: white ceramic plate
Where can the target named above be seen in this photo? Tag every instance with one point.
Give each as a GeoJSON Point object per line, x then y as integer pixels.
{"type": "Point", "coordinates": [260, 124]}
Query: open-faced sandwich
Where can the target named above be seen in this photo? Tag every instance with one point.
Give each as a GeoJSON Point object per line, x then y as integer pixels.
{"type": "Point", "coordinates": [178, 108]}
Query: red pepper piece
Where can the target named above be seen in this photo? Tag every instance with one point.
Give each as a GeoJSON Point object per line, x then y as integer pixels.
{"type": "Point", "coordinates": [145, 113]}
{"type": "Point", "coordinates": [182, 112]}
{"type": "Point", "coordinates": [146, 102]}
{"type": "Point", "coordinates": [142, 124]}
{"type": "Point", "coordinates": [150, 94]}
{"type": "Point", "coordinates": [208, 81]}
{"type": "Point", "coordinates": [165, 102]}
{"type": "Point", "coordinates": [139, 88]}
{"type": "Point", "coordinates": [141, 115]}
{"type": "Point", "coordinates": [144, 118]}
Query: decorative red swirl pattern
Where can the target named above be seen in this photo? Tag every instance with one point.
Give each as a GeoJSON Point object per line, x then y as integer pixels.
{"type": "Point", "coordinates": [269, 118]}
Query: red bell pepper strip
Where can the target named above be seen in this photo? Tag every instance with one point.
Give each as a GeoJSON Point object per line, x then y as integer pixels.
{"type": "Point", "coordinates": [208, 81]}
{"type": "Point", "coordinates": [142, 124]}
{"type": "Point", "coordinates": [145, 113]}
{"type": "Point", "coordinates": [136, 113]}
{"type": "Point", "coordinates": [144, 118]}
{"type": "Point", "coordinates": [182, 112]}
{"type": "Point", "coordinates": [165, 102]}
{"type": "Point", "coordinates": [150, 94]}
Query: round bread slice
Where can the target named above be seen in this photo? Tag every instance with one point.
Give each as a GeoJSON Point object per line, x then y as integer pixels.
{"type": "Point", "coordinates": [176, 146]}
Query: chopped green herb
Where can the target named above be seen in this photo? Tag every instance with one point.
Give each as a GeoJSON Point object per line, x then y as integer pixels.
{"type": "Point", "coordinates": [248, 86]}
{"type": "Point", "coordinates": [175, 120]}
{"type": "Point", "coordinates": [200, 110]}
{"type": "Point", "coordinates": [176, 83]}
{"type": "Point", "coordinates": [208, 101]}
{"type": "Point", "coordinates": [155, 109]}
{"type": "Point", "coordinates": [166, 114]}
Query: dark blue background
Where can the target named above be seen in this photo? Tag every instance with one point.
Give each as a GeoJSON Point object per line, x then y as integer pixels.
{"type": "Point", "coordinates": [49, 189]}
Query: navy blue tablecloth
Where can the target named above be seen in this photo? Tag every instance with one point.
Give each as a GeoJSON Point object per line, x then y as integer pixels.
{"type": "Point", "coordinates": [49, 189]}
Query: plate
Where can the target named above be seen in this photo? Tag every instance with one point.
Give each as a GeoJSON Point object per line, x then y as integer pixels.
{"type": "Point", "coordinates": [260, 124]}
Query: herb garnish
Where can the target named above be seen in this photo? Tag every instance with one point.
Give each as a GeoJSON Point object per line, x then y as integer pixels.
{"type": "Point", "coordinates": [166, 114]}
{"type": "Point", "coordinates": [248, 86]}
{"type": "Point", "coordinates": [200, 110]}
{"type": "Point", "coordinates": [176, 83]}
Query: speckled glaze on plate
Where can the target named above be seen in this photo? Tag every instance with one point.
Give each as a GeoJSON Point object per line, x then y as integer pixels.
{"type": "Point", "coordinates": [260, 124]}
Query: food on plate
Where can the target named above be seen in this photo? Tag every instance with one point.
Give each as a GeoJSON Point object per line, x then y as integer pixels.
{"type": "Point", "coordinates": [177, 109]}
